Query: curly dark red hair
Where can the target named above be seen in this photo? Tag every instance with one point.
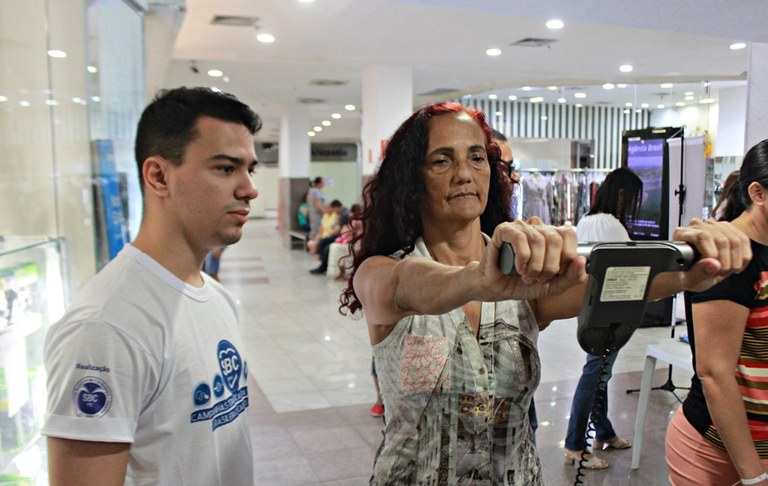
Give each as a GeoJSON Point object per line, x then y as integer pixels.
{"type": "Point", "coordinates": [391, 216]}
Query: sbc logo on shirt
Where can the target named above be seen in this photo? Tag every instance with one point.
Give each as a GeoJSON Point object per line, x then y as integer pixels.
{"type": "Point", "coordinates": [91, 397]}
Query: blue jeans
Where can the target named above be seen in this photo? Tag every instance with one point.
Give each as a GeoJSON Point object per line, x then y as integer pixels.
{"type": "Point", "coordinates": [583, 400]}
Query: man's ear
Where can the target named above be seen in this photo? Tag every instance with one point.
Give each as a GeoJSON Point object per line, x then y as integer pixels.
{"type": "Point", "coordinates": [155, 172]}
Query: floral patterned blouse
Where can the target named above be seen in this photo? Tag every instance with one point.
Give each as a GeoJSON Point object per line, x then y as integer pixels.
{"type": "Point", "coordinates": [456, 405]}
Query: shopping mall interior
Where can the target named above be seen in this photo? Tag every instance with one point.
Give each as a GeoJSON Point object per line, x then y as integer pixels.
{"type": "Point", "coordinates": [332, 79]}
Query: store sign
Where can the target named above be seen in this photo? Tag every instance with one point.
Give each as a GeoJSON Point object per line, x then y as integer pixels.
{"type": "Point", "coordinates": [334, 152]}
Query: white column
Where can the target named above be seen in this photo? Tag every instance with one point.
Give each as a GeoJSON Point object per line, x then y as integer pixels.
{"type": "Point", "coordinates": [757, 95]}
{"type": "Point", "coordinates": [387, 102]}
{"type": "Point", "coordinates": [293, 157]}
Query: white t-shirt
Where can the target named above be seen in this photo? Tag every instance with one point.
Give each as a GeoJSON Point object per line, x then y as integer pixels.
{"type": "Point", "coordinates": [601, 227]}
{"type": "Point", "coordinates": [142, 357]}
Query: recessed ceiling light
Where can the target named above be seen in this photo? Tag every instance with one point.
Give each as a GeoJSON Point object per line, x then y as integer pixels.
{"type": "Point", "coordinates": [626, 68]}
{"type": "Point", "coordinates": [92, 69]}
{"type": "Point", "coordinates": [526, 88]}
{"type": "Point", "coordinates": [627, 112]}
{"type": "Point", "coordinates": [215, 73]}
{"type": "Point", "coordinates": [311, 133]}
{"type": "Point", "coordinates": [544, 117]}
{"type": "Point", "coordinates": [552, 88]}
{"type": "Point", "coordinates": [561, 100]}
{"type": "Point", "coordinates": [537, 99]}
{"type": "Point", "coordinates": [59, 54]}
{"type": "Point", "coordinates": [706, 101]}
{"type": "Point", "coordinates": [660, 106]}
{"type": "Point", "coordinates": [265, 38]}
{"type": "Point", "coordinates": [498, 113]}
{"type": "Point", "coordinates": [579, 95]}
{"type": "Point", "coordinates": [628, 104]}
{"type": "Point", "coordinates": [645, 105]}
{"type": "Point", "coordinates": [512, 97]}
{"type": "Point", "coordinates": [609, 86]}
{"type": "Point", "coordinates": [689, 93]}
{"type": "Point", "coordinates": [349, 107]}
{"type": "Point", "coordinates": [689, 98]}
{"type": "Point", "coordinates": [492, 97]}
{"type": "Point", "coordinates": [493, 52]}
{"type": "Point", "coordinates": [335, 116]}
{"type": "Point", "coordinates": [679, 103]}
{"type": "Point", "coordinates": [555, 24]}
{"type": "Point", "coordinates": [666, 85]}
{"type": "Point", "coordinates": [96, 98]}
{"type": "Point", "coordinates": [325, 123]}
{"type": "Point", "coordinates": [3, 99]}
{"type": "Point", "coordinates": [621, 85]}
{"type": "Point", "coordinates": [579, 105]}
{"type": "Point", "coordinates": [738, 45]}
{"type": "Point", "coordinates": [24, 103]}
{"type": "Point", "coordinates": [638, 110]}
{"type": "Point", "coordinates": [317, 128]}
{"type": "Point", "coordinates": [51, 102]}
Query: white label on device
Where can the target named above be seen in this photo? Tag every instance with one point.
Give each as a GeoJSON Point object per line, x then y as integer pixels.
{"type": "Point", "coordinates": [624, 284]}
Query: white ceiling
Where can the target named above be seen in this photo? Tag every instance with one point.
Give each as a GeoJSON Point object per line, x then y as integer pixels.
{"type": "Point", "coordinates": [684, 42]}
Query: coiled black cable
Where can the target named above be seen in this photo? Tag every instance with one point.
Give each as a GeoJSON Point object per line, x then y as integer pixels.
{"type": "Point", "coordinates": [598, 408]}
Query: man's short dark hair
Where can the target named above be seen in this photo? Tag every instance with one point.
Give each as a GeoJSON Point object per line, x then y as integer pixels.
{"type": "Point", "coordinates": [497, 135]}
{"type": "Point", "coordinates": [317, 180]}
{"type": "Point", "coordinates": [336, 203]}
{"type": "Point", "coordinates": [167, 124]}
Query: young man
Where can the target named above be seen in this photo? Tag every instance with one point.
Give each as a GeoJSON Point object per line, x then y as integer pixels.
{"type": "Point", "coordinates": [146, 380]}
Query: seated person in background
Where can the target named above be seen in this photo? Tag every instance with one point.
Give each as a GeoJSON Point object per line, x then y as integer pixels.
{"type": "Point", "coordinates": [330, 227]}
{"type": "Point", "coordinates": [351, 227]}
{"type": "Point", "coordinates": [302, 214]}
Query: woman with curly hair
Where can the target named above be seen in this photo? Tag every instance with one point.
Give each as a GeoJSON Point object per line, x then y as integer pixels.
{"type": "Point", "coordinates": [453, 338]}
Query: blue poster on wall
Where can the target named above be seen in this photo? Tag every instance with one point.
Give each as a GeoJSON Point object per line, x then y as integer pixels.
{"type": "Point", "coordinates": [110, 215]}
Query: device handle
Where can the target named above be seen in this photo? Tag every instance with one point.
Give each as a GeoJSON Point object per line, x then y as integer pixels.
{"type": "Point", "coordinates": [687, 254]}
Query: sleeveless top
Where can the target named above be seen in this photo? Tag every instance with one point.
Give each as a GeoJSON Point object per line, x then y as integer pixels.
{"type": "Point", "coordinates": [456, 405]}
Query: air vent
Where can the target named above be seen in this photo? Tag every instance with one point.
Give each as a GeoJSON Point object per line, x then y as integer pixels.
{"type": "Point", "coordinates": [438, 92]}
{"type": "Point", "coordinates": [235, 20]}
{"type": "Point", "coordinates": [311, 101]}
{"type": "Point", "coordinates": [328, 82]}
{"type": "Point", "coordinates": [533, 42]}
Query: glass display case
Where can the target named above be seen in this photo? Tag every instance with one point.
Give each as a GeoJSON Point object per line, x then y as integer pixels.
{"type": "Point", "coordinates": [32, 295]}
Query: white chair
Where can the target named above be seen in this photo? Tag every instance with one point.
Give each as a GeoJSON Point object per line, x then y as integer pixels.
{"type": "Point", "coordinates": [671, 351]}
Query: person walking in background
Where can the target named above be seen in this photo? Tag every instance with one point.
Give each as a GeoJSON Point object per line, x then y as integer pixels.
{"type": "Point", "coordinates": [146, 380]}
{"type": "Point", "coordinates": [454, 339]}
{"type": "Point", "coordinates": [720, 433]}
{"type": "Point", "coordinates": [617, 199]}
{"type": "Point", "coordinates": [317, 207]}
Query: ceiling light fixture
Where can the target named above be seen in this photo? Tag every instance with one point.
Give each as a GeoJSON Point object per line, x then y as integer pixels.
{"type": "Point", "coordinates": [679, 103]}
{"type": "Point", "coordinates": [265, 38]}
{"type": "Point", "coordinates": [561, 100]}
{"type": "Point", "coordinates": [645, 105]}
{"type": "Point", "coordinates": [609, 86]}
{"type": "Point", "coordinates": [493, 97]}
{"type": "Point", "coordinates": [626, 68]}
{"type": "Point", "coordinates": [215, 73]}
{"type": "Point", "coordinates": [537, 99]}
{"type": "Point", "coordinates": [526, 88]}
{"type": "Point", "coordinates": [335, 116]}
{"type": "Point", "coordinates": [325, 123]}
{"type": "Point", "coordinates": [552, 88]}
{"type": "Point", "coordinates": [555, 24]}
{"type": "Point", "coordinates": [628, 104]}
{"type": "Point", "coordinates": [666, 85]}
{"type": "Point", "coordinates": [493, 51]}
{"type": "Point", "coordinates": [579, 95]}
{"type": "Point", "coordinates": [59, 54]}
{"type": "Point", "coordinates": [689, 98]}
{"type": "Point", "coordinates": [737, 46]}
{"type": "Point", "coordinates": [311, 133]}
{"type": "Point", "coordinates": [92, 69]}
{"type": "Point", "coordinates": [349, 107]}
{"type": "Point", "coordinates": [661, 107]}
{"type": "Point", "coordinates": [512, 97]}
{"type": "Point", "coordinates": [317, 128]}
{"type": "Point", "coordinates": [3, 99]}
{"type": "Point", "coordinates": [621, 85]}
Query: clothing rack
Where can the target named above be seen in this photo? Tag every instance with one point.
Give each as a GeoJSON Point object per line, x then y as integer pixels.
{"type": "Point", "coordinates": [557, 196]}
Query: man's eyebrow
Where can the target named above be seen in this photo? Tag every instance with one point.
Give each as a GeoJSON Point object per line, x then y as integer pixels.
{"type": "Point", "coordinates": [233, 159]}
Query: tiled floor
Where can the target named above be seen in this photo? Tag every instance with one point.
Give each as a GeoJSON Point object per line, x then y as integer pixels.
{"type": "Point", "coordinates": [311, 390]}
